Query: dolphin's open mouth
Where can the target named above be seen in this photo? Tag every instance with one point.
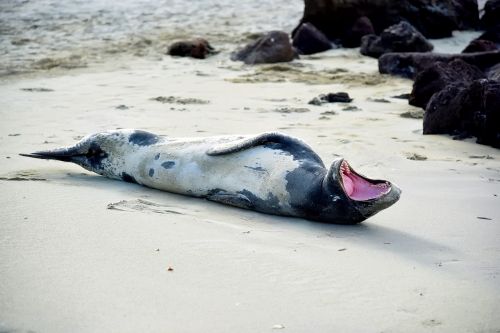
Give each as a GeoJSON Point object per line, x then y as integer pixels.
{"type": "Point", "coordinates": [361, 188]}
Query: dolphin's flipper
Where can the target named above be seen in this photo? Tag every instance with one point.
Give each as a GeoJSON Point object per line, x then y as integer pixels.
{"type": "Point", "coordinates": [232, 199]}
{"type": "Point", "coordinates": [281, 141]}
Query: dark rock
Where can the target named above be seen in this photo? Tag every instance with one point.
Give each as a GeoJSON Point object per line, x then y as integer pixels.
{"type": "Point", "coordinates": [413, 114]}
{"type": "Point", "coordinates": [197, 48]}
{"type": "Point", "coordinates": [466, 111]}
{"type": "Point", "coordinates": [443, 114]}
{"type": "Point", "coordinates": [402, 96]}
{"type": "Point", "coordinates": [467, 14]}
{"type": "Point", "coordinates": [488, 41]}
{"type": "Point", "coordinates": [309, 40]}
{"type": "Point", "coordinates": [409, 64]}
{"type": "Point", "coordinates": [492, 34]}
{"type": "Point", "coordinates": [486, 98]}
{"type": "Point", "coordinates": [271, 48]}
{"type": "Point", "coordinates": [316, 101]}
{"type": "Point", "coordinates": [362, 27]}
{"type": "Point", "coordinates": [434, 19]}
{"type": "Point", "coordinates": [491, 16]}
{"type": "Point", "coordinates": [493, 73]}
{"type": "Point", "coordinates": [439, 75]}
{"type": "Point", "coordinates": [340, 97]}
{"type": "Point", "coordinates": [401, 37]}
{"type": "Point", "coordinates": [480, 45]}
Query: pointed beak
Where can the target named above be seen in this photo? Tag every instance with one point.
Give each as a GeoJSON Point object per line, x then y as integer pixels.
{"type": "Point", "coordinates": [60, 154]}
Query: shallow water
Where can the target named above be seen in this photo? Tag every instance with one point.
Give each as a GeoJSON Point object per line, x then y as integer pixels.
{"type": "Point", "coordinates": [46, 34]}
{"type": "Point", "coordinates": [42, 34]}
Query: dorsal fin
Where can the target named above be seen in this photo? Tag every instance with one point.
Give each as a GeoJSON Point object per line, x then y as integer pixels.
{"type": "Point", "coordinates": [294, 146]}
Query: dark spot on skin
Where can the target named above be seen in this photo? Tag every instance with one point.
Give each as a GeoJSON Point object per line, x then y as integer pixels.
{"type": "Point", "coordinates": [157, 156]}
{"type": "Point", "coordinates": [143, 138]}
{"type": "Point", "coordinates": [128, 178]}
{"type": "Point", "coordinates": [168, 164]}
{"type": "Point", "coordinates": [95, 155]}
{"type": "Point", "coordinates": [151, 172]}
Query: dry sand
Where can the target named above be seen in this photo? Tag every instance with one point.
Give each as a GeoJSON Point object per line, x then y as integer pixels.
{"type": "Point", "coordinates": [82, 253]}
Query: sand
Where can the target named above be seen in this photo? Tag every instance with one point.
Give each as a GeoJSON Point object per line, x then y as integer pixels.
{"type": "Point", "coordinates": [82, 253]}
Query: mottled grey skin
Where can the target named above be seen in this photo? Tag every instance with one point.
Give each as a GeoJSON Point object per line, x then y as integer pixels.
{"type": "Point", "coordinates": [271, 173]}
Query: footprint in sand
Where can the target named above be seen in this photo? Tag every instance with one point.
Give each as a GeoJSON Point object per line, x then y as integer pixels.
{"type": "Point", "coordinates": [141, 205]}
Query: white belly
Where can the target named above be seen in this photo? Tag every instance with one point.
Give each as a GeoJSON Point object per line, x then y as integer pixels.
{"type": "Point", "coordinates": [184, 167]}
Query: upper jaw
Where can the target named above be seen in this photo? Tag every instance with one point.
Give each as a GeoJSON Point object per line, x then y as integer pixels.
{"type": "Point", "coordinates": [60, 154]}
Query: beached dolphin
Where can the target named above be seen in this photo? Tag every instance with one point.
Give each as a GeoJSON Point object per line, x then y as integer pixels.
{"type": "Point", "coordinates": [271, 172]}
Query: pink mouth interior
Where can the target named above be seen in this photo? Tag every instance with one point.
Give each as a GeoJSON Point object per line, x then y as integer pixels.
{"type": "Point", "coordinates": [359, 188]}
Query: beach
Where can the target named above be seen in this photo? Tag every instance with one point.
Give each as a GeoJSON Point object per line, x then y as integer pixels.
{"type": "Point", "coordinates": [83, 253]}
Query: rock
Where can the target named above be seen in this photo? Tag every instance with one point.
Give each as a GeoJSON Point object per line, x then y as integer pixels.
{"type": "Point", "coordinates": [309, 40]}
{"type": "Point", "coordinates": [413, 114]}
{"type": "Point", "coordinates": [486, 99]}
{"type": "Point", "coordinates": [493, 73]}
{"type": "Point", "coordinates": [197, 48]}
{"type": "Point", "coordinates": [351, 108]}
{"type": "Point", "coordinates": [488, 41]}
{"type": "Point", "coordinates": [378, 100]}
{"type": "Point", "coordinates": [434, 19]}
{"type": "Point", "coordinates": [340, 97]}
{"type": "Point", "coordinates": [402, 96]}
{"type": "Point", "coordinates": [271, 48]}
{"type": "Point", "coordinates": [491, 16]}
{"type": "Point", "coordinates": [467, 14]}
{"type": "Point", "coordinates": [362, 27]}
{"type": "Point", "coordinates": [492, 34]}
{"type": "Point", "coordinates": [444, 113]}
{"type": "Point", "coordinates": [440, 74]}
{"type": "Point", "coordinates": [401, 37]}
{"type": "Point", "coordinates": [467, 111]}
{"type": "Point", "coordinates": [409, 64]}
{"type": "Point", "coordinates": [316, 101]}
{"type": "Point", "coordinates": [480, 45]}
